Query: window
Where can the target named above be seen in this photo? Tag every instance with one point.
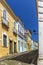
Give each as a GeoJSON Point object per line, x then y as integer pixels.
{"type": "Point", "coordinates": [4, 14]}
{"type": "Point", "coordinates": [19, 28]}
{"type": "Point", "coordinates": [22, 46]}
{"type": "Point", "coordinates": [14, 24]}
{"type": "Point", "coordinates": [19, 46]}
{"type": "Point", "coordinates": [10, 46]}
{"type": "Point", "coordinates": [4, 40]}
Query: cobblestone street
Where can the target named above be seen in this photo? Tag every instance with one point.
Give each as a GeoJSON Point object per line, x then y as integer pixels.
{"type": "Point", "coordinates": [13, 62]}
{"type": "Point", "coordinates": [26, 58]}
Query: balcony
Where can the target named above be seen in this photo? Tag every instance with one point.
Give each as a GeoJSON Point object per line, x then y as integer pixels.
{"type": "Point", "coordinates": [5, 22]}
{"type": "Point", "coordinates": [14, 30]}
{"type": "Point", "coordinates": [25, 37]}
{"type": "Point", "coordinates": [20, 34]}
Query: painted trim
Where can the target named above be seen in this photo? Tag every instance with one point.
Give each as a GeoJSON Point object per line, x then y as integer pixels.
{"type": "Point", "coordinates": [4, 33]}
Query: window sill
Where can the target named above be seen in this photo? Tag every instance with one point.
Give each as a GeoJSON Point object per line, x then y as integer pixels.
{"type": "Point", "coordinates": [4, 46]}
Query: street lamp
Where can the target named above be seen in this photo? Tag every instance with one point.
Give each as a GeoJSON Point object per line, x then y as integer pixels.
{"type": "Point", "coordinates": [34, 31]}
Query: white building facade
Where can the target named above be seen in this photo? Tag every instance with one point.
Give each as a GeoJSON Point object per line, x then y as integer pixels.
{"type": "Point", "coordinates": [32, 46]}
{"type": "Point", "coordinates": [40, 23]}
{"type": "Point", "coordinates": [20, 37]}
{"type": "Point", "coordinates": [40, 31]}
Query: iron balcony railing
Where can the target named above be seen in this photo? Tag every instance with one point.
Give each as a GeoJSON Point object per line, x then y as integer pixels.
{"type": "Point", "coordinates": [5, 22]}
{"type": "Point", "coordinates": [20, 34]}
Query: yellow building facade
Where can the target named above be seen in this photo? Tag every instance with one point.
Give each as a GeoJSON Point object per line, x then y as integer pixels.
{"type": "Point", "coordinates": [28, 39]}
{"type": "Point", "coordinates": [8, 32]}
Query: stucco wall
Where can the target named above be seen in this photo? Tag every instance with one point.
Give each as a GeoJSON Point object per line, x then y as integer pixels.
{"type": "Point", "coordinates": [8, 31]}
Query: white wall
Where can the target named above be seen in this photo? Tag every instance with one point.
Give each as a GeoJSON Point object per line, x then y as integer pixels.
{"type": "Point", "coordinates": [21, 28]}
{"type": "Point", "coordinates": [40, 27]}
{"type": "Point", "coordinates": [32, 47]}
{"type": "Point", "coordinates": [25, 46]}
{"type": "Point", "coordinates": [20, 44]}
{"type": "Point", "coordinates": [40, 31]}
{"type": "Point", "coordinates": [40, 3]}
{"type": "Point", "coordinates": [40, 39]}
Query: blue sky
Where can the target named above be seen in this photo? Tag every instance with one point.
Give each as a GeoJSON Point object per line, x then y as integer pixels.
{"type": "Point", "coordinates": [26, 10]}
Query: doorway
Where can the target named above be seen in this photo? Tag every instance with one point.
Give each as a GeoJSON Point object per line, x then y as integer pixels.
{"type": "Point", "coordinates": [15, 50]}
{"type": "Point", "coordinates": [10, 47]}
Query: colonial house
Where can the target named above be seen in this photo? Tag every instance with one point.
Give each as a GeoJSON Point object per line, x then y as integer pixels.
{"type": "Point", "coordinates": [20, 35]}
{"type": "Point", "coordinates": [36, 45]}
{"type": "Point", "coordinates": [8, 31]}
{"type": "Point", "coordinates": [28, 39]}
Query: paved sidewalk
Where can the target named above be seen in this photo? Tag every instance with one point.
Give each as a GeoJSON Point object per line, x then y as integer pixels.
{"type": "Point", "coordinates": [13, 62]}
{"type": "Point", "coordinates": [40, 62]}
{"type": "Point", "coordinates": [12, 56]}
{"type": "Point", "coordinates": [26, 58]}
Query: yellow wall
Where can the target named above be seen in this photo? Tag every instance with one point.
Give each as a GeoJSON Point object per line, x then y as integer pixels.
{"type": "Point", "coordinates": [9, 31]}
{"type": "Point", "coordinates": [29, 46]}
{"type": "Point", "coordinates": [29, 43]}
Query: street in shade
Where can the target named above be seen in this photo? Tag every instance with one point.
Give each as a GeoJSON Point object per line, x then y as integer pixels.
{"type": "Point", "coordinates": [24, 58]}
